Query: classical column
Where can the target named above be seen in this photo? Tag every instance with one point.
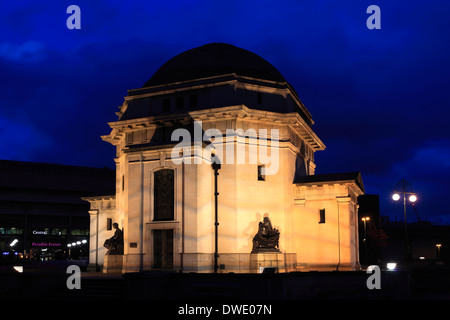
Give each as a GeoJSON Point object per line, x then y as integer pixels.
{"type": "Point", "coordinates": [93, 240]}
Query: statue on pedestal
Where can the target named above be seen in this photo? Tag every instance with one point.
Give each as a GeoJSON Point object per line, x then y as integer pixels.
{"type": "Point", "coordinates": [266, 240]}
{"type": "Point", "coordinates": [115, 243]}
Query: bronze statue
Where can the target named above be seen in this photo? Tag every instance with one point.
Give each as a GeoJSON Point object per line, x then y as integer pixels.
{"type": "Point", "coordinates": [266, 240]}
{"type": "Point", "coordinates": [115, 243]}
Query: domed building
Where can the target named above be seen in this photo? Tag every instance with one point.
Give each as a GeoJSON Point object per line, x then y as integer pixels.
{"type": "Point", "coordinates": [216, 173]}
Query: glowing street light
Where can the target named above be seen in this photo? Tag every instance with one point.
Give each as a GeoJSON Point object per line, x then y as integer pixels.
{"type": "Point", "coordinates": [391, 266]}
{"type": "Point", "coordinates": [13, 243]}
{"type": "Point", "coordinates": [438, 246]}
{"type": "Point", "coordinates": [412, 198]}
{"type": "Point", "coordinates": [365, 219]}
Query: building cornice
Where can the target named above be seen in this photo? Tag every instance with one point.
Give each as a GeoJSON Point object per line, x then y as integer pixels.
{"type": "Point", "coordinates": [236, 112]}
{"type": "Point", "coordinates": [249, 83]}
{"type": "Point", "coordinates": [107, 202]}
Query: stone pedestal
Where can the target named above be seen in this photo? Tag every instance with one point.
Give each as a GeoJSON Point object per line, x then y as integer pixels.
{"type": "Point", "coordinates": [113, 263]}
{"type": "Point", "coordinates": [280, 262]}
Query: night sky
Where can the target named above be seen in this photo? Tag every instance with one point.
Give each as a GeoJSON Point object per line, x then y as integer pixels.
{"type": "Point", "coordinates": [380, 98]}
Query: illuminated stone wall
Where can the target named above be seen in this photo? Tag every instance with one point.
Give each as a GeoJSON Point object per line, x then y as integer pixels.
{"type": "Point", "coordinates": [243, 202]}
{"type": "Point", "coordinates": [144, 144]}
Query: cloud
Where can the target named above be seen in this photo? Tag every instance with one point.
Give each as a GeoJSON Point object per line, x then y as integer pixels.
{"type": "Point", "coordinates": [27, 52]}
{"type": "Point", "coordinates": [431, 160]}
{"type": "Point", "coordinates": [427, 170]}
{"type": "Point", "coordinates": [21, 141]}
{"type": "Point", "coordinates": [378, 97]}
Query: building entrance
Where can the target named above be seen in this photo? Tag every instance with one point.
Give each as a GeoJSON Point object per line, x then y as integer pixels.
{"type": "Point", "coordinates": [163, 249]}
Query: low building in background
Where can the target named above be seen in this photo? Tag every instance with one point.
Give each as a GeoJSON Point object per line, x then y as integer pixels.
{"type": "Point", "coordinates": [42, 215]}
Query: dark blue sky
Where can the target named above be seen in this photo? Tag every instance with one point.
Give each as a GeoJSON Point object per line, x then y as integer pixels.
{"type": "Point", "coordinates": [380, 98]}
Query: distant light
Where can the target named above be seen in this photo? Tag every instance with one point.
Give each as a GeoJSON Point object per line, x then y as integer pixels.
{"type": "Point", "coordinates": [391, 266]}
{"type": "Point", "coordinates": [84, 241]}
{"type": "Point", "coordinates": [395, 196]}
{"type": "Point", "coordinates": [13, 243]}
{"type": "Point", "coordinates": [422, 258]}
{"type": "Point", "coordinates": [69, 245]}
{"type": "Point", "coordinates": [365, 219]}
{"type": "Point", "coordinates": [18, 268]}
{"type": "Point", "coordinates": [74, 244]}
{"type": "Point", "coordinates": [78, 242]}
{"type": "Point", "coordinates": [412, 198]}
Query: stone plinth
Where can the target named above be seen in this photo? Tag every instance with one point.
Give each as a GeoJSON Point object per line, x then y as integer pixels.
{"type": "Point", "coordinates": [281, 262]}
{"type": "Point", "coordinates": [113, 263]}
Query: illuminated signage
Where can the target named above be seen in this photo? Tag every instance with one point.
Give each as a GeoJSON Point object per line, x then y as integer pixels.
{"type": "Point", "coordinates": [45, 244]}
{"type": "Point", "coordinates": [47, 232]}
{"type": "Point", "coordinates": [40, 232]}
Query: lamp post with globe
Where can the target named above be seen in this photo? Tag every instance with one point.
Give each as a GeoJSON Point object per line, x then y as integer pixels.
{"type": "Point", "coordinates": [403, 187]}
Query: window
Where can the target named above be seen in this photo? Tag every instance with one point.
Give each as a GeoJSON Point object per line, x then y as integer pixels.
{"type": "Point", "coordinates": [261, 176]}
{"type": "Point", "coordinates": [193, 101]}
{"type": "Point", "coordinates": [259, 98]}
{"type": "Point", "coordinates": [322, 216]}
{"type": "Point", "coordinates": [108, 224]}
{"type": "Point", "coordinates": [129, 138]}
{"type": "Point", "coordinates": [12, 230]}
{"type": "Point", "coordinates": [123, 182]}
{"type": "Point", "coordinates": [180, 103]}
{"type": "Point", "coordinates": [80, 232]}
{"type": "Point", "coordinates": [166, 105]}
{"type": "Point", "coordinates": [59, 232]}
{"type": "Point", "coordinates": [163, 202]}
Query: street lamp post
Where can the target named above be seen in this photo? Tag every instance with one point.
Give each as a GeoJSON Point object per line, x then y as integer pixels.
{"type": "Point", "coordinates": [215, 164]}
{"type": "Point", "coordinates": [438, 246]}
{"type": "Point", "coordinates": [412, 198]}
{"type": "Point", "coordinates": [365, 219]}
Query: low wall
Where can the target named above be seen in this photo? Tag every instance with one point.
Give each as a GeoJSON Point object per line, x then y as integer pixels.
{"type": "Point", "coordinates": [239, 262]}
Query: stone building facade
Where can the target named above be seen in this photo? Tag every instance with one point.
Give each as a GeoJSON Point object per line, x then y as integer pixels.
{"type": "Point", "coordinates": [222, 104]}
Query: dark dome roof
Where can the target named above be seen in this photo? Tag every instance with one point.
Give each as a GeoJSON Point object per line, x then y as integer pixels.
{"type": "Point", "coordinates": [212, 60]}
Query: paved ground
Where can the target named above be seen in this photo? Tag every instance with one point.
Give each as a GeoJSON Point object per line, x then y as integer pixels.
{"type": "Point", "coordinates": [51, 283]}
